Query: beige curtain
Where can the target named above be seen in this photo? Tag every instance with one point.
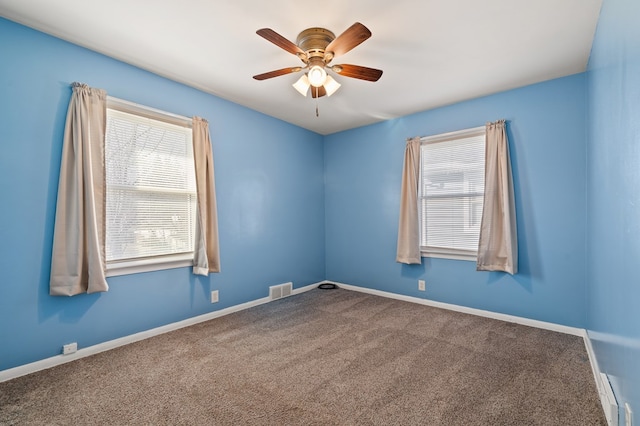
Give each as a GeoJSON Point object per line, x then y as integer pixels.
{"type": "Point", "coordinates": [78, 259]}
{"type": "Point", "coordinates": [408, 226]}
{"type": "Point", "coordinates": [498, 244]}
{"type": "Point", "coordinates": [206, 256]}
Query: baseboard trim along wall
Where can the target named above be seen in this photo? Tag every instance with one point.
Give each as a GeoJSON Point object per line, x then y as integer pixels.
{"type": "Point", "coordinates": [33, 367]}
{"type": "Point", "coordinates": [478, 312]}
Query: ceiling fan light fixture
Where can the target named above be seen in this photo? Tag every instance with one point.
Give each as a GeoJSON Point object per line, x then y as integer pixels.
{"type": "Point", "coordinates": [302, 85]}
{"type": "Point", "coordinates": [317, 76]}
{"type": "Point", "coordinates": [330, 85]}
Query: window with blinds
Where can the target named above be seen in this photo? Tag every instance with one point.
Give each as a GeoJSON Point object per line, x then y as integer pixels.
{"type": "Point", "coordinates": [451, 193]}
{"type": "Point", "coordinates": [150, 188]}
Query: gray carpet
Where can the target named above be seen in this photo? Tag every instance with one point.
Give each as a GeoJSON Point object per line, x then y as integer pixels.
{"type": "Point", "coordinates": [325, 357]}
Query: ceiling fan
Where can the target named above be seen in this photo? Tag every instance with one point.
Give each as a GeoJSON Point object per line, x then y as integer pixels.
{"type": "Point", "coordinates": [316, 48]}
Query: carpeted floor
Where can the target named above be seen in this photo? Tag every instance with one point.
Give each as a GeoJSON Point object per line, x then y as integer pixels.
{"type": "Point", "coordinates": [325, 357]}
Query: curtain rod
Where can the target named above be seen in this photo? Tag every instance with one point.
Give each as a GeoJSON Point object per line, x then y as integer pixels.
{"type": "Point", "coordinates": [458, 132]}
{"type": "Point", "coordinates": [143, 110]}
{"type": "Point", "coordinates": [117, 103]}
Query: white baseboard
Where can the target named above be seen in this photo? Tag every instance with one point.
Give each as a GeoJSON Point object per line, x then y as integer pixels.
{"type": "Point", "coordinates": [305, 288]}
{"type": "Point", "coordinates": [33, 367]}
{"type": "Point", "coordinates": [479, 312]}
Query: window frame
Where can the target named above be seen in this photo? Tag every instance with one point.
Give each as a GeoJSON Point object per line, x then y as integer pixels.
{"type": "Point", "coordinates": [447, 252]}
{"type": "Point", "coordinates": [151, 263]}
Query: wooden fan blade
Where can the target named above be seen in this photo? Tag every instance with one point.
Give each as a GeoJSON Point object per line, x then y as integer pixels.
{"type": "Point", "coordinates": [353, 36]}
{"type": "Point", "coordinates": [276, 73]}
{"type": "Point", "coordinates": [275, 38]}
{"type": "Point", "coordinates": [357, 71]}
{"type": "Point", "coordinates": [320, 92]}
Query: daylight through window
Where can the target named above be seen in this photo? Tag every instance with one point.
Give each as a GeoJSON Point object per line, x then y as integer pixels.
{"type": "Point", "coordinates": [150, 188]}
{"type": "Point", "coordinates": [451, 193]}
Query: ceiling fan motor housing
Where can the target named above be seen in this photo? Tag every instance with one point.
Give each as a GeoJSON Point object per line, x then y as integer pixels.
{"type": "Point", "coordinates": [314, 41]}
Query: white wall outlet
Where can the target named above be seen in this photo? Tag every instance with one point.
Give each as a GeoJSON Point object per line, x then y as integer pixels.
{"type": "Point", "coordinates": [70, 348]}
{"type": "Point", "coordinates": [214, 296]}
{"type": "Point", "coordinates": [422, 286]}
{"type": "Point", "coordinates": [628, 415]}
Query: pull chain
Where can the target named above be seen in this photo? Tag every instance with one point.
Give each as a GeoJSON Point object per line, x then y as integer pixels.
{"type": "Point", "coordinates": [317, 112]}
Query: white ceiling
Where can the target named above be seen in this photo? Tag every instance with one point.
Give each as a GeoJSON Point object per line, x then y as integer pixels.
{"type": "Point", "coordinates": [432, 52]}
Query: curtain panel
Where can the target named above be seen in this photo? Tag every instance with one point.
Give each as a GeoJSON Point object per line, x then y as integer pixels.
{"type": "Point", "coordinates": [408, 250]}
{"type": "Point", "coordinates": [206, 253]}
{"type": "Point", "coordinates": [498, 243]}
{"type": "Point", "coordinates": [78, 257]}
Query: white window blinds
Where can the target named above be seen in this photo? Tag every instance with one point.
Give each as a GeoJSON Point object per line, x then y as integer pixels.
{"type": "Point", "coordinates": [151, 190]}
{"type": "Point", "coordinates": [451, 193]}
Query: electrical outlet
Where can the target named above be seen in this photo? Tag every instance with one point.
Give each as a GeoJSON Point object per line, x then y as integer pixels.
{"type": "Point", "coordinates": [70, 348]}
{"type": "Point", "coordinates": [214, 296]}
{"type": "Point", "coordinates": [422, 286]}
{"type": "Point", "coordinates": [628, 415]}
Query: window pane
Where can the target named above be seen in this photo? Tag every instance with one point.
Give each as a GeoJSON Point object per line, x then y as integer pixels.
{"type": "Point", "coordinates": [452, 222]}
{"type": "Point", "coordinates": [143, 223]}
{"type": "Point", "coordinates": [151, 195]}
{"type": "Point", "coordinates": [451, 193]}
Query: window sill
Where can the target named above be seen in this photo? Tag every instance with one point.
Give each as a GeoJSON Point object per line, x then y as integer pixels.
{"type": "Point", "coordinates": [450, 254]}
{"type": "Point", "coordinates": [148, 265]}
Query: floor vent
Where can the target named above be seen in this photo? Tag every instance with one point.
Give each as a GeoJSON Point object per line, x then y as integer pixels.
{"type": "Point", "coordinates": [608, 399]}
{"type": "Point", "coordinates": [280, 291]}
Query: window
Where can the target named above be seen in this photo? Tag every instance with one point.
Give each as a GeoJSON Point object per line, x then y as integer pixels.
{"type": "Point", "coordinates": [451, 193]}
{"type": "Point", "coordinates": [150, 189]}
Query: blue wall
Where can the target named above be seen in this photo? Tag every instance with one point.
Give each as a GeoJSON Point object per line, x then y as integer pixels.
{"type": "Point", "coordinates": [270, 189]}
{"type": "Point", "coordinates": [614, 198]}
{"type": "Point", "coordinates": [546, 128]}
